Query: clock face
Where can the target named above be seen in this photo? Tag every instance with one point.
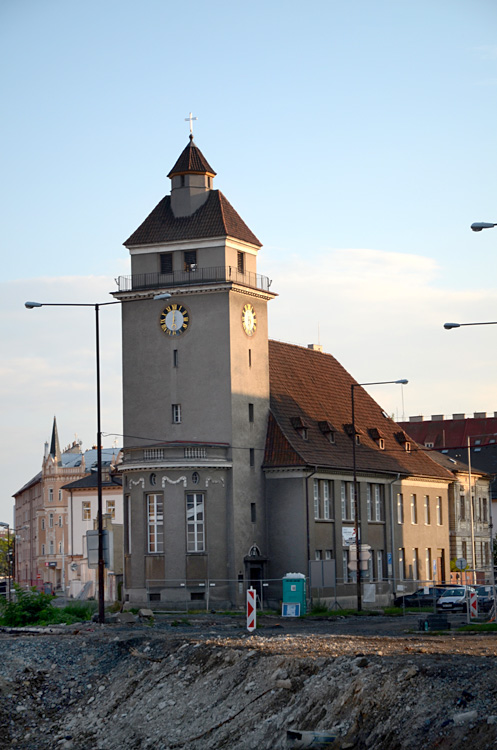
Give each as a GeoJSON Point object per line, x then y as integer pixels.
{"type": "Point", "coordinates": [249, 320]}
{"type": "Point", "coordinates": [174, 319]}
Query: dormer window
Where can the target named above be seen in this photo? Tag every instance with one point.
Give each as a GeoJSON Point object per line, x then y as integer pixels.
{"type": "Point", "coordinates": [300, 426]}
{"type": "Point", "coordinates": [353, 432]}
{"type": "Point", "coordinates": [404, 440]}
{"type": "Point", "coordinates": [378, 437]}
{"type": "Point", "coordinates": [328, 430]}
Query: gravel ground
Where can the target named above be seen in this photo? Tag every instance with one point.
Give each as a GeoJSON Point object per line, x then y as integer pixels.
{"type": "Point", "coordinates": [206, 683]}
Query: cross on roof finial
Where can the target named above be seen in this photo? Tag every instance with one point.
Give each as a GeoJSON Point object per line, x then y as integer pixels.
{"type": "Point", "coordinates": [190, 119]}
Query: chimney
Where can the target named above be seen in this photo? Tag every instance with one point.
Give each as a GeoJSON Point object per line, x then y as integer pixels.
{"type": "Point", "coordinates": [315, 347]}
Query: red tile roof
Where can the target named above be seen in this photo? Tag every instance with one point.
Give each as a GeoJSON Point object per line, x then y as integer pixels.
{"type": "Point", "coordinates": [453, 433]}
{"type": "Point", "coordinates": [191, 160]}
{"type": "Point", "coordinates": [215, 218]}
{"type": "Point", "coordinates": [314, 387]}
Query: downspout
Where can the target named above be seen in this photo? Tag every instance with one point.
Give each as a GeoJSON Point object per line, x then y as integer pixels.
{"type": "Point", "coordinates": [392, 535]}
{"type": "Point", "coordinates": [307, 525]}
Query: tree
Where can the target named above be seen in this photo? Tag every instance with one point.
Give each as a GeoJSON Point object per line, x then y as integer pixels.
{"type": "Point", "coordinates": [6, 555]}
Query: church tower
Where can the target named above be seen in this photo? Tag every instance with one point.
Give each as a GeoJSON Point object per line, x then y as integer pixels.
{"type": "Point", "coordinates": [195, 397]}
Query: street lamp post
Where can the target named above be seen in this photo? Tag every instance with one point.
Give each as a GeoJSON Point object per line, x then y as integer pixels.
{"type": "Point", "coordinates": [357, 506]}
{"type": "Point", "coordinates": [96, 306]}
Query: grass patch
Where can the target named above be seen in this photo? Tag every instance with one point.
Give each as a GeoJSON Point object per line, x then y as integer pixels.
{"type": "Point", "coordinates": [33, 607]}
{"type": "Point", "coordinates": [483, 627]}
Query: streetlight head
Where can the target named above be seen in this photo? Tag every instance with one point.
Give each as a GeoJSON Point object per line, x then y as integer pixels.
{"type": "Point", "coordinates": [5, 525]}
{"type": "Point", "coordinates": [402, 381]}
{"type": "Point", "coordinates": [30, 305]}
{"type": "Point", "coordinates": [165, 295]}
{"type": "Point", "coordinates": [448, 326]}
{"type": "Point", "coordinates": [477, 226]}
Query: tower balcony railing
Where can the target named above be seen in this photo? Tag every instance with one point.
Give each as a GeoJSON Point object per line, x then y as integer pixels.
{"type": "Point", "coordinates": [192, 277]}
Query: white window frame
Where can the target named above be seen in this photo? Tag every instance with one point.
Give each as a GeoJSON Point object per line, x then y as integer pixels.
{"type": "Point", "coordinates": [427, 511]}
{"type": "Point", "coordinates": [400, 508]}
{"type": "Point", "coordinates": [176, 413]}
{"type": "Point", "coordinates": [415, 564]}
{"type": "Point", "coordinates": [86, 510]}
{"type": "Point", "coordinates": [379, 564]}
{"type": "Point", "coordinates": [110, 507]}
{"type": "Point", "coordinates": [378, 505]}
{"type": "Point", "coordinates": [439, 511]}
{"type": "Point", "coordinates": [402, 564]}
{"type": "Point", "coordinates": [195, 522]}
{"type": "Point", "coordinates": [155, 523]}
{"type": "Point", "coordinates": [343, 500]}
{"type": "Point", "coordinates": [50, 495]}
{"type": "Point", "coordinates": [326, 500]}
{"type": "Point", "coordinates": [316, 498]}
{"type": "Point", "coordinates": [50, 520]}
{"type": "Point", "coordinates": [429, 567]}
{"type": "Point", "coordinates": [414, 509]}
{"type": "Point", "coordinates": [368, 502]}
{"type": "Point", "coordinates": [51, 550]}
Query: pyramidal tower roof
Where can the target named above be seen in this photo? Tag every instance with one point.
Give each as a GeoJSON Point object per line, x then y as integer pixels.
{"type": "Point", "coordinates": [192, 161]}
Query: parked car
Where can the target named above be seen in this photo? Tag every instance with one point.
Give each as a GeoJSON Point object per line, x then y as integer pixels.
{"type": "Point", "coordinates": [455, 599]}
{"type": "Point", "coordinates": [485, 596]}
{"type": "Point", "coordinates": [423, 597]}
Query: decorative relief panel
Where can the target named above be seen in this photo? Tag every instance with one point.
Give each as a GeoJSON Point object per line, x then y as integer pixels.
{"type": "Point", "coordinates": [210, 480]}
{"type": "Point", "coordinates": [173, 481]}
{"type": "Point", "coordinates": [134, 482]}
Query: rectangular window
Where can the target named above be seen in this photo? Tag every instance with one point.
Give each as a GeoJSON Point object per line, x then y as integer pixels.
{"type": "Point", "coordinates": [252, 457]}
{"type": "Point", "coordinates": [86, 510]}
{"type": "Point", "coordinates": [415, 564]}
{"type": "Point", "coordinates": [241, 262]}
{"type": "Point", "coordinates": [462, 508]}
{"type": "Point", "coordinates": [111, 508]}
{"type": "Point", "coordinates": [428, 564]}
{"type": "Point", "coordinates": [316, 499]}
{"type": "Point", "coordinates": [166, 262]}
{"type": "Point", "coordinates": [42, 549]}
{"type": "Point", "coordinates": [439, 511]}
{"type": "Point", "coordinates": [251, 412]}
{"type": "Point", "coordinates": [328, 554]}
{"type": "Point", "coordinates": [253, 512]}
{"type": "Point", "coordinates": [43, 524]}
{"type": "Point", "coordinates": [379, 564]}
{"type": "Point", "coordinates": [414, 509]}
{"type": "Point", "coordinates": [345, 564]}
{"type": "Point", "coordinates": [427, 509]}
{"type": "Point", "coordinates": [50, 520]}
{"type": "Point", "coordinates": [175, 358]}
{"type": "Point", "coordinates": [318, 554]}
{"type": "Point", "coordinates": [464, 546]}
{"type": "Point", "coordinates": [60, 496]}
{"type": "Point", "coordinates": [400, 507]}
{"type": "Point", "coordinates": [176, 413]}
{"type": "Point", "coordinates": [485, 510]}
{"type": "Point", "coordinates": [60, 548]}
{"type": "Point", "coordinates": [190, 257]}
{"type": "Point", "coordinates": [50, 495]}
{"type": "Point", "coordinates": [250, 357]}
{"type": "Point", "coordinates": [60, 521]}
{"type": "Point", "coordinates": [195, 526]}
{"type": "Point", "coordinates": [378, 502]}
{"type": "Point", "coordinates": [128, 512]}
{"type": "Point", "coordinates": [368, 502]}
{"type": "Point", "coordinates": [51, 548]}
{"type": "Point", "coordinates": [326, 500]}
{"type": "Point", "coordinates": [352, 500]}
{"type": "Point", "coordinates": [155, 518]}
{"type": "Point", "coordinates": [343, 500]}
{"type": "Point", "coordinates": [402, 567]}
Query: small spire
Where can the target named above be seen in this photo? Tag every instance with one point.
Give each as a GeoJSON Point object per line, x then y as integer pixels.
{"type": "Point", "coordinates": [54, 444]}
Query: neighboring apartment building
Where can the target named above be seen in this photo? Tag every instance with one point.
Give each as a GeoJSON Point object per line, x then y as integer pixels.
{"type": "Point", "coordinates": [237, 463]}
{"type": "Point", "coordinates": [82, 512]}
{"type": "Point", "coordinates": [470, 440]}
{"type": "Point", "coordinates": [469, 523]}
{"type": "Point", "coordinates": [42, 523]}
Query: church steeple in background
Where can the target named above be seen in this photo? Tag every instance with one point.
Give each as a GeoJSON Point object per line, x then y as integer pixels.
{"type": "Point", "coordinates": [54, 444]}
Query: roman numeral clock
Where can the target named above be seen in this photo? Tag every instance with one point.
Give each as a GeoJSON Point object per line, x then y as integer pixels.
{"type": "Point", "coordinates": [174, 320]}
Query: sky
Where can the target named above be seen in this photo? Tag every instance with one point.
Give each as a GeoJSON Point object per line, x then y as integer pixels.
{"type": "Point", "coordinates": [356, 139]}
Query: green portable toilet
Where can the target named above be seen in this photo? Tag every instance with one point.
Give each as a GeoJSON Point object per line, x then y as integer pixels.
{"type": "Point", "coordinates": [294, 595]}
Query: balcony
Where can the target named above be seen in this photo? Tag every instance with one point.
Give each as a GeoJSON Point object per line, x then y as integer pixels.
{"type": "Point", "coordinates": [193, 277]}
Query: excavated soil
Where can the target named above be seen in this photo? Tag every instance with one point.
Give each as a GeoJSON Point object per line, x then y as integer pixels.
{"type": "Point", "coordinates": [206, 683]}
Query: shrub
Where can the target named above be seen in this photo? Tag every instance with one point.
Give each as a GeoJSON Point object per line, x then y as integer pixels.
{"type": "Point", "coordinates": [33, 607]}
